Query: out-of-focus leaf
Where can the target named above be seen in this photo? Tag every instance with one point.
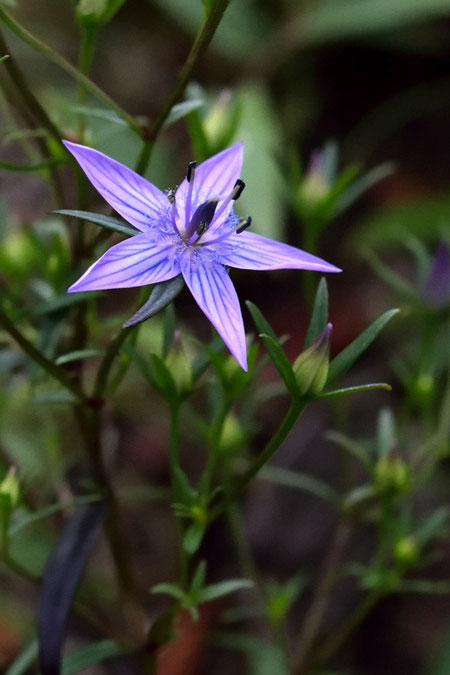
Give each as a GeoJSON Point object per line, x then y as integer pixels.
{"type": "Point", "coordinates": [182, 109]}
{"type": "Point", "coordinates": [263, 658]}
{"type": "Point", "coordinates": [162, 293]}
{"type": "Point", "coordinates": [108, 222]}
{"type": "Point", "coordinates": [260, 130]}
{"type": "Point", "coordinates": [342, 362]}
{"type": "Point", "coordinates": [169, 589]}
{"type": "Point", "coordinates": [61, 397]}
{"type": "Point", "coordinates": [319, 315]}
{"type": "Point", "coordinates": [36, 166]}
{"type": "Point", "coordinates": [24, 661]}
{"type": "Point", "coordinates": [281, 362]}
{"type": "Point", "coordinates": [163, 378]}
{"type": "Point", "coordinates": [355, 390]}
{"type": "Point", "coordinates": [49, 511]}
{"type": "Point", "coordinates": [61, 577]}
{"type": "Point", "coordinates": [386, 433]}
{"type": "Point", "coordinates": [222, 588]}
{"type": "Point", "coordinates": [342, 19]}
{"type": "Point", "coordinates": [360, 185]}
{"type": "Point", "coordinates": [193, 537]}
{"type": "Point", "coordinates": [299, 481]}
{"type": "Point", "coordinates": [394, 224]}
{"type": "Point", "coordinates": [78, 355]}
{"type": "Point", "coordinates": [91, 655]}
{"type": "Point", "coordinates": [61, 302]}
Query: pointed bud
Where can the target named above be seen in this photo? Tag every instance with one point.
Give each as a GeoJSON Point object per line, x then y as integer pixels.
{"type": "Point", "coordinates": [315, 186]}
{"type": "Point", "coordinates": [9, 491]}
{"type": "Point", "coordinates": [95, 12]}
{"type": "Point", "coordinates": [311, 367]}
{"type": "Point", "coordinates": [179, 366]}
{"type": "Point", "coordinates": [406, 551]}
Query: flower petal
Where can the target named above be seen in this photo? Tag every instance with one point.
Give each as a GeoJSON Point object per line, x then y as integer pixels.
{"type": "Point", "coordinates": [136, 199]}
{"type": "Point", "coordinates": [215, 294]}
{"type": "Point", "coordinates": [251, 251]}
{"type": "Point", "coordinates": [134, 262]}
{"type": "Point", "coordinates": [214, 177]}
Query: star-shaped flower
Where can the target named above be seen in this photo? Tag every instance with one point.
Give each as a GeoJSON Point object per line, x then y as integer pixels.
{"type": "Point", "coordinates": [192, 231]}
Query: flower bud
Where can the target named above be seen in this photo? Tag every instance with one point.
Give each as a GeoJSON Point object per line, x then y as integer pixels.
{"type": "Point", "coordinates": [315, 186]}
{"type": "Point", "coordinates": [96, 12]}
{"type": "Point", "coordinates": [179, 366]}
{"type": "Point", "coordinates": [406, 551]}
{"type": "Point", "coordinates": [232, 437]}
{"type": "Point", "coordinates": [9, 490]}
{"type": "Point", "coordinates": [391, 475]}
{"type": "Point", "coordinates": [311, 367]}
{"type": "Point", "coordinates": [220, 122]}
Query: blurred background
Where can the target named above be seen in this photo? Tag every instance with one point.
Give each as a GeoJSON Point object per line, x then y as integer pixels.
{"type": "Point", "coordinates": [314, 89]}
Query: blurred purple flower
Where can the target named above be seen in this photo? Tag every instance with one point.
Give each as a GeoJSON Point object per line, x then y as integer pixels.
{"type": "Point", "coordinates": [436, 291]}
{"type": "Point", "coordinates": [192, 231]}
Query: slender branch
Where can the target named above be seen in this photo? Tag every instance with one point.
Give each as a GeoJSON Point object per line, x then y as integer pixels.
{"type": "Point", "coordinates": [294, 412]}
{"type": "Point", "coordinates": [61, 62]}
{"type": "Point", "coordinates": [101, 380]}
{"type": "Point", "coordinates": [201, 43]}
{"type": "Point", "coordinates": [330, 646]}
{"type": "Point", "coordinates": [314, 616]}
{"type": "Point", "coordinates": [55, 371]}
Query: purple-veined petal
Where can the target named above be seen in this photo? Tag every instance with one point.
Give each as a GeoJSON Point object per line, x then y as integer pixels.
{"type": "Point", "coordinates": [134, 262]}
{"type": "Point", "coordinates": [136, 199]}
{"type": "Point", "coordinates": [251, 251]}
{"type": "Point", "coordinates": [214, 177]}
{"type": "Point", "coordinates": [215, 294]}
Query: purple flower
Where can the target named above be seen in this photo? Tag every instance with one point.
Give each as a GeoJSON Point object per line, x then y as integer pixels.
{"type": "Point", "coordinates": [192, 231]}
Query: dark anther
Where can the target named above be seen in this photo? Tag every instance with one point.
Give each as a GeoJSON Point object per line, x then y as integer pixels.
{"type": "Point", "coordinates": [190, 171]}
{"type": "Point", "coordinates": [171, 195]}
{"type": "Point", "coordinates": [238, 189]}
{"type": "Point", "coordinates": [244, 224]}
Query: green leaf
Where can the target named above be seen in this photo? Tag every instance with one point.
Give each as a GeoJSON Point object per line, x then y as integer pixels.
{"type": "Point", "coordinates": [281, 362]}
{"type": "Point", "coordinates": [198, 580]}
{"type": "Point", "coordinates": [261, 323]}
{"type": "Point", "coordinates": [108, 222]}
{"type": "Point", "coordinates": [162, 294]}
{"type": "Point", "coordinates": [3, 58]}
{"type": "Point", "coordinates": [299, 481]}
{"type": "Point", "coordinates": [319, 316]}
{"type": "Point", "coordinates": [24, 661]}
{"type": "Point", "coordinates": [90, 655]}
{"type": "Point", "coordinates": [386, 433]}
{"type": "Point", "coordinates": [354, 390]}
{"type": "Point", "coordinates": [62, 302]}
{"type": "Point", "coordinates": [170, 589]}
{"type": "Point", "coordinates": [163, 378]}
{"type": "Point", "coordinates": [55, 397]}
{"type": "Point", "coordinates": [360, 185]}
{"type": "Point", "coordinates": [78, 355]}
{"type": "Point", "coordinates": [342, 362]}
{"type": "Point", "coordinates": [169, 326]}
{"type": "Point", "coordinates": [193, 537]}
{"type": "Point", "coordinates": [433, 526]}
{"type": "Point", "coordinates": [183, 490]}
{"type": "Point", "coordinates": [180, 110]}
{"type": "Point", "coordinates": [49, 511]}
{"type": "Point", "coordinates": [222, 588]}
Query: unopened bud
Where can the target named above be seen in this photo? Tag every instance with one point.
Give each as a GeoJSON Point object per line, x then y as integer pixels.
{"type": "Point", "coordinates": [232, 437]}
{"type": "Point", "coordinates": [315, 187]}
{"type": "Point", "coordinates": [406, 551]}
{"type": "Point", "coordinates": [92, 12]}
{"type": "Point", "coordinates": [219, 124]}
{"type": "Point", "coordinates": [9, 490]}
{"type": "Point", "coordinates": [392, 475]}
{"type": "Point", "coordinates": [179, 366]}
{"type": "Point", "coordinates": [311, 367]}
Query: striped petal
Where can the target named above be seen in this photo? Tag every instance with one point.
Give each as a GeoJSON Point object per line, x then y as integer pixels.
{"type": "Point", "coordinates": [215, 294]}
{"type": "Point", "coordinates": [250, 251]}
{"type": "Point", "coordinates": [138, 201]}
{"type": "Point", "coordinates": [134, 262]}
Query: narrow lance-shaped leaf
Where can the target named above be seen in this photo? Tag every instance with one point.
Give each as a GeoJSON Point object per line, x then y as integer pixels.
{"type": "Point", "coordinates": [108, 222]}
{"type": "Point", "coordinates": [342, 362]}
{"type": "Point", "coordinates": [162, 294]}
{"type": "Point", "coordinates": [319, 316]}
{"type": "Point", "coordinates": [90, 655]}
{"type": "Point", "coordinates": [61, 577]}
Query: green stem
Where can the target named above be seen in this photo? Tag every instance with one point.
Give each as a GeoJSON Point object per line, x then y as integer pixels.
{"type": "Point", "coordinates": [331, 645]}
{"type": "Point", "coordinates": [294, 412]}
{"type": "Point", "coordinates": [39, 115]}
{"type": "Point", "coordinates": [61, 62]}
{"type": "Point", "coordinates": [314, 616]}
{"type": "Point", "coordinates": [101, 380]}
{"type": "Point", "coordinates": [84, 63]}
{"type": "Point", "coordinates": [201, 43]}
{"type": "Point", "coordinates": [55, 371]}
{"type": "Point", "coordinates": [213, 447]}
{"type": "Point", "coordinates": [175, 464]}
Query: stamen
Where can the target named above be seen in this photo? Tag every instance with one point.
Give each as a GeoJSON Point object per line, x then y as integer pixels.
{"type": "Point", "coordinates": [190, 174]}
{"type": "Point", "coordinates": [243, 225]}
{"type": "Point", "coordinates": [238, 189]}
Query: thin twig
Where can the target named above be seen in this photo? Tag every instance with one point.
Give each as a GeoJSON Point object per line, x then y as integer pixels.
{"type": "Point", "coordinates": [201, 43]}
{"type": "Point", "coordinates": [61, 62]}
{"type": "Point", "coordinates": [38, 357]}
